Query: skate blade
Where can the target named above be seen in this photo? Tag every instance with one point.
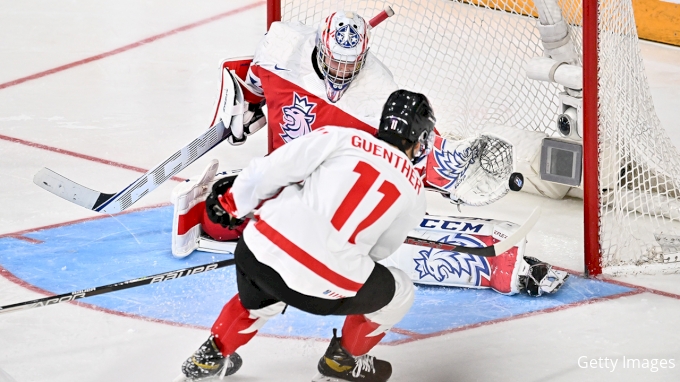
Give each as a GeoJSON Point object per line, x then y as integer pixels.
{"type": "Point", "coordinates": [181, 378]}
{"type": "Point", "coordinates": [323, 378]}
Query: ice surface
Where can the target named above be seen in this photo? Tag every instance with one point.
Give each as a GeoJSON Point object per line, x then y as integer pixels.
{"type": "Point", "coordinates": [137, 107]}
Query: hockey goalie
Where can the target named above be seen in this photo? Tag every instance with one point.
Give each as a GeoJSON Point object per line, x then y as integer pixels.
{"type": "Point", "coordinates": [302, 78]}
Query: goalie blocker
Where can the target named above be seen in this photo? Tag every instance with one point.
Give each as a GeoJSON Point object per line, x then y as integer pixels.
{"type": "Point", "coordinates": [508, 273]}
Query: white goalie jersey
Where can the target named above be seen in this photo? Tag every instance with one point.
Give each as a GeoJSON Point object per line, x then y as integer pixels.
{"type": "Point", "coordinates": [283, 73]}
{"type": "Point", "coordinates": [328, 205]}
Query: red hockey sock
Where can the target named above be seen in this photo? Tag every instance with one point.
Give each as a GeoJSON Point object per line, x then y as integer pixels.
{"type": "Point", "coordinates": [354, 335]}
{"type": "Point", "coordinates": [233, 319]}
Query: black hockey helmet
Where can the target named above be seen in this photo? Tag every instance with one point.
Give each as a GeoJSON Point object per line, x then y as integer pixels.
{"type": "Point", "coordinates": [408, 118]}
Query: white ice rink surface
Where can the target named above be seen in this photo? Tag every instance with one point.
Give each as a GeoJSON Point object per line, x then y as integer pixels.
{"type": "Point", "coordinates": [138, 104]}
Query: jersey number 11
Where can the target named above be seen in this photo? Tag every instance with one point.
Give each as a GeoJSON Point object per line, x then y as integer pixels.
{"type": "Point", "coordinates": [367, 177]}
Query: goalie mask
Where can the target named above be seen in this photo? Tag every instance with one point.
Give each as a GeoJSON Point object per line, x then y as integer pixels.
{"type": "Point", "coordinates": [407, 118]}
{"type": "Point", "coordinates": [342, 45]}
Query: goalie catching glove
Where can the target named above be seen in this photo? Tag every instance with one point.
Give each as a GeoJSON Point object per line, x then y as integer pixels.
{"type": "Point", "coordinates": [245, 115]}
{"type": "Point", "coordinates": [474, 171]}
{"type": "Point", "coordinates": [253, 120]}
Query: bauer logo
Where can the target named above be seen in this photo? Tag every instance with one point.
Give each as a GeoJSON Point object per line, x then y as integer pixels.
{"type": "Point", "coordinates": [182, 273]}
{"type": "Point", "coordinates": [298, 118]}
{"type": "Point", "coordinates": [441, 265]}
{"type": "Point", "coordinates": [347, 37]}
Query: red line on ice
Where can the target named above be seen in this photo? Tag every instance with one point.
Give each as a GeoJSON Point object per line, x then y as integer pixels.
{"type": "Point", "coordinates": [625, 284]}
{"type": "Point", "coordinates": [20, 234]}
{"type": "Point", "coordinates": [78, 155]}
{"type": "Point", "coordinates": [132, 46]}
{"type": "Point", "coordinates": [418, 336]}
{"type": "Point", "coordinates": [108, 54]}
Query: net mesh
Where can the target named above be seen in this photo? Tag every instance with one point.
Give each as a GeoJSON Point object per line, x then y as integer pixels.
{"type": "Point", "coordinates": [468, 57]}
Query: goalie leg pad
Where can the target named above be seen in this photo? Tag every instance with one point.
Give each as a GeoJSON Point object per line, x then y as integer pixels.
{"type": "Point", "coordinates": [188, 199]}
{"type": "Point", "coordinates": [190, 218]}
{"type": "Point", "coordinates": [446, 268]}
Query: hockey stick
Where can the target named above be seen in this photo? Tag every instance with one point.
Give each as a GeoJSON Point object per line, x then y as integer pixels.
{"type": "Point", "coordinates": [490, 251]}
{"type": "Point", "coordinates": [230, 102]}
{"type": "Point", "coordinates": [154, 279]}
{"type": "Point", "coordinates": [380, 17]}
{"type": "Point", "coordinates": [113, 203]}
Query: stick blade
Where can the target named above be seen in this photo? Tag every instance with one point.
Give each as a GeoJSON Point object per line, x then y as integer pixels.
{"type": "Point", "coordinates": [518, 235]}
{"type": "Point", "coordinates": [68, 189]}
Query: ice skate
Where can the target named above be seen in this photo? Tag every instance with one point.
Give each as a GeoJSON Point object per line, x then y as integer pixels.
{"type": "Point", "coordinates": [337, 365]}
{"type": "Point", "coordinates": [208, 364]}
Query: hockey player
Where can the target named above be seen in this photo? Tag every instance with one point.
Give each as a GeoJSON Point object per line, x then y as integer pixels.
{"type": "Point", "coordinates": [308, 77]}
{"type": "Point", "coordinates": [327, 207]}
{"type": "Point", "coordinates": [311, 77]}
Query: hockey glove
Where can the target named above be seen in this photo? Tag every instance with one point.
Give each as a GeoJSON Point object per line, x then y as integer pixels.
{"type": "Point", "coordinates": [253, 120]}
{"type": "Point", "coordinates": [216, 212]}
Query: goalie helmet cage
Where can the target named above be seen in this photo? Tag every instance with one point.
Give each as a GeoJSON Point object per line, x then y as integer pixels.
{"type": "Point", "coordinates": [468, 57]}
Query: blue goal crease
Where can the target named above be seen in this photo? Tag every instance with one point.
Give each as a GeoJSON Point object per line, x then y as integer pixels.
{"type": "Point", "coordinates": [127, 246]}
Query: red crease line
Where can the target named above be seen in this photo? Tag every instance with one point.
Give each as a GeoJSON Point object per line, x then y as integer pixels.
{"type": "Point", "coordinates": [624, 284]}
{"type": "Point", "coordinates": [511, 318]}
{"type": "Point", "coordinates": [642, 288]}
{"type": "Point", "coordinates": [26, 238]}
{"type": "Point", "coordinates": [20, 234]}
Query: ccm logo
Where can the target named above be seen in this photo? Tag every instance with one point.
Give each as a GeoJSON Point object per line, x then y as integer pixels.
{"type": "Point", "coordinates": [181, 273]}
{"type": "Point", "coordinates": [451, 225]}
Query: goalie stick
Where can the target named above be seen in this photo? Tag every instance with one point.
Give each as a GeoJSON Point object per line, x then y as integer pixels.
{"type": "Point", "coordinates": [231, 102]}
{"type": "Point", "coordinates": [120, 201]}
{"type": "Point", "coordinates": [491, 251]}
{"type": "Point", "coordinates": [113, 203]}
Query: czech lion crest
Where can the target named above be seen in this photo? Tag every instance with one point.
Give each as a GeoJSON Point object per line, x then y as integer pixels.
{"type": "Point", "coordinates": [441, 265]}
{"type": "Point", "coordinates": [298, 118]}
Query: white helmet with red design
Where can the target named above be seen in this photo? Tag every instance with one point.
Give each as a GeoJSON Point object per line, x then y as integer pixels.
{"type": "Point", "coordinates": [342, 45]}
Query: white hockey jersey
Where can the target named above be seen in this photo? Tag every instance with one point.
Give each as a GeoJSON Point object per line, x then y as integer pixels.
{"type": "Point", "coordinates": [283, 73]}
{"type": "Point", "coordinates": [332, 203]}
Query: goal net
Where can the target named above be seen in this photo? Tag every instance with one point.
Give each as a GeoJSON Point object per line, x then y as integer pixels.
{"type": "Point", "coordinates": [469, 57]}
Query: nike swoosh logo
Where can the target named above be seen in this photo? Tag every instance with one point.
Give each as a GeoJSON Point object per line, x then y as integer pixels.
{"type": "Point", "coordinates": [277, 68]}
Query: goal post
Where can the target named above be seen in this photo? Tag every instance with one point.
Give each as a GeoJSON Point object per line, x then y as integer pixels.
{"type": "Point", "coordinates": [482, 64]}
{"type": "Point", "coordinates": [591, 183]}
